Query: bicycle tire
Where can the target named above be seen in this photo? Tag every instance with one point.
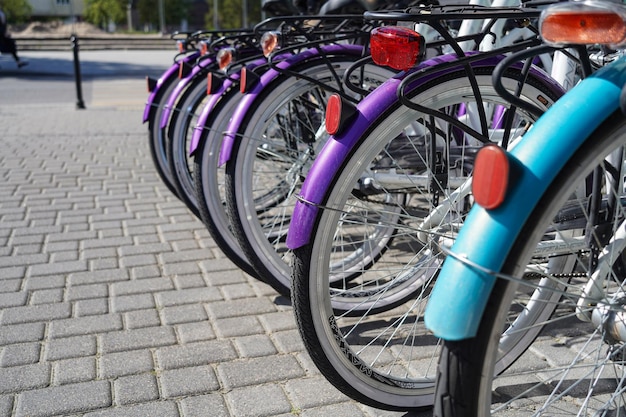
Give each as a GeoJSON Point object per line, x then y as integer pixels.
{"type": "Point", "coordinates": [209, 181]}
{"type": "Point", "coordinates": [156, 136]}
{"type": "Point", "coordinates": [466, 384]}
{"type": "Point", "coordinates": [346, 348]}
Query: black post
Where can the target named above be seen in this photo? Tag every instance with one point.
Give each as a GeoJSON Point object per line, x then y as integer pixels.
{"type": "Point", "coordinates": [80, 104]}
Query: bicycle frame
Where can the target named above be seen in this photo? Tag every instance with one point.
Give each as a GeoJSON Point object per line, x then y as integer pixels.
{"type": "Point", "coordinates": [463, 286]}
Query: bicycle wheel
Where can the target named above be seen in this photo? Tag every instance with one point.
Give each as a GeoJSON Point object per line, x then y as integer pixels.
{"type": "Point", "coordinates": [576, 365]}
{"type": "Point", "coordinates": [156, 137]}
{"type": "Point", "coordinates": [282, 133]}
{"type": "Point", "coordinates": [409, 171]}
{"type": "Point", "coordinates": [209, 180]}
{"type": "Point", "coordinates": [180, 162]}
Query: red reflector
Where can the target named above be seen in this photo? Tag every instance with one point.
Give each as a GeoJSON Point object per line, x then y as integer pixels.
{"type": "Point", "coordinates": [491, 177]}
{"type": "Point", "coordinates": [242, 81]}
{"type": "Point", "coordinates": [333, 114]}
{"type": "Point", "coordinates": [209, 83]}
{"type": "Point", "coordinates": [397, 47]}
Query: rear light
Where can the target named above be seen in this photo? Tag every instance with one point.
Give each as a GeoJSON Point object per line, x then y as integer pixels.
{"type": "Point", "coordinates": [491, 177]}
{"type": "Point", "coordinates": [204, 47]}
{"type": "Point", "coordinates": [270, 41]}
{"type": "Point", "coordinates": [338, 112]}
{"type": "Point", "coordinates": [225, 57]}
{"type": "Point", "coordinates": [181, 46]}
{"type": "Point", "coordinates": [584, 23]}
{"type": "Point", "coordinates": [397, 47]}
{"type": "Point", "coordinates": [151, 83]}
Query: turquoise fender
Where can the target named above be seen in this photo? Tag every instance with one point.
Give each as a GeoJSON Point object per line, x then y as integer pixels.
{"type": "Point", "coordinates": [460, 293]}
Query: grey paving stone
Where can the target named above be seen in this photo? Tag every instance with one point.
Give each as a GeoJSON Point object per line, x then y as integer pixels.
{"type": "Point", "coordinates": [313, 392]}
{"type": "Point", "coordinates": [21, 378]}
{"type": "Point", "coordinates": [141, 318]}
{"type": "Point", "coordinates": [138, 286]}
{"type": "Point", "coordinates": [195, 332]}
{"type": "Point", "coordinates": [6, 405]}
{"type": "Point", "coordinates": [254, 346]}
{"type": "Point", "coordinates": [101, 276]}
{"type": "Point", "coordinates": [115, 365]}
{"type": "Point", "coordinates": [21, 333]}
{"type": "Point", "coordinates": [13, 299]}
{"type": "Point", "coordinates": [85, 325]}
{"type": "Point", "coordinates": [42, 312]}
{"type": "Point", "coordinates": [138, 338]}
{"type": "Point", "coordinates": [57, 267]}
{"type": "Point", "coordinates": [187, 296]}
{"type": "Point", "coordinates": [10, 284]}
{"type": "Point", "coordinates": [242, 307]}
{"type": "Point", "coordinates": [85, 292]}
{"type": "Point", "coordinates": [52, 295]}
{"type": "Point", "coordinates": [335, 410]}
{"type": "Point", "coordinates": [64, 399]}
{"type": "Point", "coordinates": [114, 242]}
{"type": "Point", "coordinates": [183, 314]}
{"type": "Point", "coordinates": [278, 321]}
{"type": "Point", "coordinates": [135, 389]}
{"type": "Point", "coordinates": [195, 354]}
{"type": "Point", "coordinates": [147, 271]}
{"type": "Point", "coordinates": [288, 341]}
{"type": "Point", "coordinates": [156, 248]}
{"type": "Point", "coordinates": [138, 260]}
{"type": "Point", "coordinates": [123, 303]}
{"type": "Point", "coordinates": [70, 347]}
{"type": "Point", "coordinates": [92, 307]}
{"type": "Point", "coordinates": [11, 261]}
{"type": "Point", "coordinates": [153, 409]}
{"type": "Point", "coordinates": [183, 282]}
{"type": "Point", "coordinates": [259, 401]}
{"type": "Point", "coordinates": [44, 282]}
{"type": "Point", "coordinates": [22, 354]}
{"type": "Point", "coordinates": [238, 326]}
{"type": "Point", "coordinates": [188, 381]}
{"type": "Point", "coordinates": [204, 405]}
{"type": "Point", "coordinates": [72, 371]}
{"type": "Point", "coordinates": [256, 371]}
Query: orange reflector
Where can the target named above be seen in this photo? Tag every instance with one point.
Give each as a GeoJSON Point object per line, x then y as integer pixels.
{"type": "Point", "coordinates": [180, 45]}
{"type": "Point", "coordinates": [397, 47]}
{"type": "Point", "coordinates": [204, 48]}
{"type": "Point", "coordinates": [491, 177]}
{"type": "Point", "coordinates": [583, 27]}
{"type": "Point", "coordinates": [269, 42]}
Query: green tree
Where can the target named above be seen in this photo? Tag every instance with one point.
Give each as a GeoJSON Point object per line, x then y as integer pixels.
{"type": "Point", "coordinates": [17, 11]}
{"type": "Point", "coordinates": [174, 12]}
{"type": "Point", "coordinates": [101, 12]}
{"type": "Point", "coordinates": [230, 14]}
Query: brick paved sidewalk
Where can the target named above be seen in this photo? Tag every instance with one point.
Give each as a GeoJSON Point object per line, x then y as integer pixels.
{"type": "Point", "coordinates": [114, 300]}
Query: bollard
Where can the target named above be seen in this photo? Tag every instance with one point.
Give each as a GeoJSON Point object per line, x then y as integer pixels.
{"type": "Point", "coordinates": [80, 104]}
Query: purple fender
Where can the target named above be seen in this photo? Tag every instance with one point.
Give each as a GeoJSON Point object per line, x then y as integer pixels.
{"type": "Point", "coordinates": [334, 153]}
{"type": "Point", "coordinates": [240, 113]}
{"type": "Point", "coordinates": [171, 72]}
{"type": "Point", "coordinates": [208, 107]}
{"type": "Point", "coordinates": [180, 87]}
{"type": "Point", "coordinates": [206, 111]}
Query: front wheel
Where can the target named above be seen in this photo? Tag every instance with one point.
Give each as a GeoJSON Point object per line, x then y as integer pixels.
{"type": "Point", "coordinates": [577, 364]}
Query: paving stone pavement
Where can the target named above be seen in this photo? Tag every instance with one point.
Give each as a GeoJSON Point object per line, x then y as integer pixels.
{"type": "Point", "coordinates": [114, 300]}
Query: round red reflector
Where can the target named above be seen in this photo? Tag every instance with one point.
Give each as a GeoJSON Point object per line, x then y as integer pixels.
{"type": "Point", "coordinates": [397, 47]}
{"type": "Point", "coordinates": [491, 177]}
{"type": "Point", "coordinates": [333, 114]}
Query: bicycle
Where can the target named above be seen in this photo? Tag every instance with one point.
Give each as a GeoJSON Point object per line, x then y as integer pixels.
{"type": "Point", "coordinates": [361, 271]}
{"type": "Point", "coordinates": [552, 242]}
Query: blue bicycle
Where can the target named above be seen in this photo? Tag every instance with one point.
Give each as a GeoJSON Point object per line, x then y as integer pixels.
{"type": "Point", "coordinates": [541, 254]}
